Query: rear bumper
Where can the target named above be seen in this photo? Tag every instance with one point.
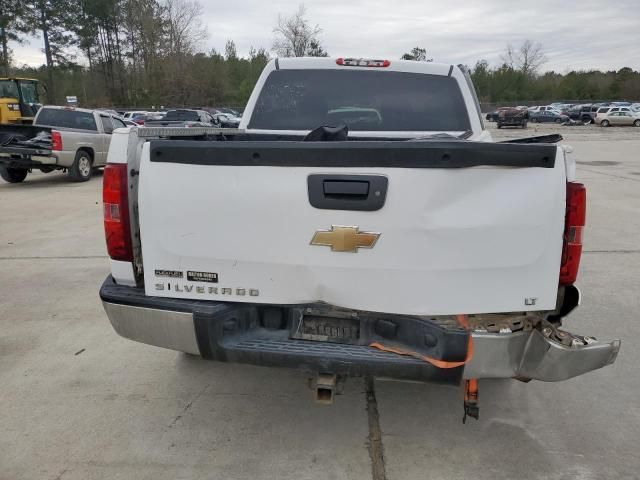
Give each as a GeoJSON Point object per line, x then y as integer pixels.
{"type": "Point", "coordinates": [27, 161]}
{"type": "Point", "coordinates": [233, 333]}
{"type": "Point", "coordinates": [32, 158]}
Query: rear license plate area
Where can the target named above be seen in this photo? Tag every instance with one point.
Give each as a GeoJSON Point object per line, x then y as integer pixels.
{"type": "Point", "coordinates": [322, 328]}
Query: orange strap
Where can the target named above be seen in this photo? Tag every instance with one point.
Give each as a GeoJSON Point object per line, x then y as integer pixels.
{"type": "Point", "coordinates": [471, 390]}
{"type": "Point", "coordinates": [462, 320]}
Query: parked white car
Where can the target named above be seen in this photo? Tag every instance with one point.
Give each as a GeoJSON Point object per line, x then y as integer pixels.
{"type": "Point", "coordinates": [134, 114]}
{"type": "Point", "coordinates": [544, 109]}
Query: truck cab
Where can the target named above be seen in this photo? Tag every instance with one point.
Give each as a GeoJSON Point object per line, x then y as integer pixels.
{"type": "Point", "coordinates": [19, 100]}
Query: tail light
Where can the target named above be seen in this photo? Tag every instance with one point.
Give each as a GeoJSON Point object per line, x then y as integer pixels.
{"type": "Point", "coordinates": [56, 141]}
{"type": "Point", "coordinates": [115, 199]}
{"type": "Point", "coordinates": [573, 227]}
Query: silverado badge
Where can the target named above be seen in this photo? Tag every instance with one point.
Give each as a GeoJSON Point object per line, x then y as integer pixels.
{"type": "Point", "coordinates": [344, 239]}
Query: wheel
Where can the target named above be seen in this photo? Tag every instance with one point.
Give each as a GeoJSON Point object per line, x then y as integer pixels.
{"type": "Point", "coordinates": [534, 120]}
{"type": "Point", "coordinates": [13, 175]}
{"type": "Point", "coordinates": [80, 171]}
{"type": "Point", "coordinates": [636, 123]}
{"type": "Point", "coordinates": [558, 120]}
{"type": "Point", "coordinates": [604, 123]}
{"type": "Point", "coordinates": [586, 120]}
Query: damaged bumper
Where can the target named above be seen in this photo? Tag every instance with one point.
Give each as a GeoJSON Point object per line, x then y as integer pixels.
{"type": "Point", "coordinates": [532, 355]}
{"type": "Point", "coordinates": [235, 333]}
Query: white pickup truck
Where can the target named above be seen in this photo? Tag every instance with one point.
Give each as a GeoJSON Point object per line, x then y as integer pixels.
{"type": "Point", "coordinates": [360, 222]}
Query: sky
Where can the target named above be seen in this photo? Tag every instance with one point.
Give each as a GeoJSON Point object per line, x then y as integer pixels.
{"type": "Point", "coordinates": [575, 34]}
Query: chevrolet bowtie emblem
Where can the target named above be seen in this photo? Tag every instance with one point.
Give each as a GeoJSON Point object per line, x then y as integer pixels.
{"type": "Point", "coordinates": [344, 239]}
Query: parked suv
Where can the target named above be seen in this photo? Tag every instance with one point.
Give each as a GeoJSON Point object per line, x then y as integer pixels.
{"type": "Point", "coordinates": [583, 113]}
{"type": "Point", "coordinates": [61, 138]}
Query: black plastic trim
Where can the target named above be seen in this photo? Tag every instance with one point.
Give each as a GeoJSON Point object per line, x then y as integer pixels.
{"type": "Point", "coordinates": [25, 162]}
{"type": "Point", "coordinates": [365, 193]}
{"type": "Point", "coordinates": [539, 139]}
{"type": "Point", "coordinates": [26, 151]}
{"type": "Point", "coordinates": [386, 154]}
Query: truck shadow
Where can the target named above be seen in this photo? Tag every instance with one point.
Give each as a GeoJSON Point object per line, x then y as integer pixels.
{"type": "Point", "coordinates": [424, 422]}
{"type": "Point", "coordinates": [57, 179]}
{"type": "Point", "coordinates": [421, 424]}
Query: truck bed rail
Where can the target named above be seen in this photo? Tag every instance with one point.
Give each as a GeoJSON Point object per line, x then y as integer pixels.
{"type": "Point", "coordinates": [153, 132]}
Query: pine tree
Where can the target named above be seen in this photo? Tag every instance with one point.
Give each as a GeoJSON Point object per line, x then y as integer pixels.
{"type": "Point", "coordinates": [53, 19]}
{"type": "Point", "coordinates": [12, 29]}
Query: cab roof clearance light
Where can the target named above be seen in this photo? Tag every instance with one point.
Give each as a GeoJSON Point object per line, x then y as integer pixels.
{"type": "Point", "coordinates": [362, 62]}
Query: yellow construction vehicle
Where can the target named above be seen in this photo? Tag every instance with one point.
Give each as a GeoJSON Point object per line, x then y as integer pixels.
{"type": "Point", "coordinates": [19, 100]}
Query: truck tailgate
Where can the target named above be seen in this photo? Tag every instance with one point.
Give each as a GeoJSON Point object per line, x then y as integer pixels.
{"type": "Point", "coordinates": [462, 227]}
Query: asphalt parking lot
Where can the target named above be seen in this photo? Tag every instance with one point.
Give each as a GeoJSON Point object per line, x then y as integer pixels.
{"type": "Point", "coordinates": [79, 402]}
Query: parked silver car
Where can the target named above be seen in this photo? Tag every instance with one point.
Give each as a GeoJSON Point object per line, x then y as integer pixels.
{"type": "Point", "coordinates": [619, 118]}
{"type": "Point", "coordinates": [603, 112]}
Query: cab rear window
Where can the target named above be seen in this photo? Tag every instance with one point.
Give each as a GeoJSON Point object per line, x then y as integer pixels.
{"type": "Point", "coordinates": [56, 117]}
{"type": "Point", "coordinates": [181, 115]}
{"type": "Point", "coordinates": [363, 100]}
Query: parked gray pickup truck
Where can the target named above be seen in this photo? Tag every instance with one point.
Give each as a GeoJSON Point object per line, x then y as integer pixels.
{"type": "Point", "coordinates": [62, 138]}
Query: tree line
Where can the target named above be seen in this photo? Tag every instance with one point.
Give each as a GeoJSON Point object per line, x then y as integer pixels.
{"type": "Point", "coordinates": [148, 52]}
{"type": "Point", "coordinates": [518, 79]}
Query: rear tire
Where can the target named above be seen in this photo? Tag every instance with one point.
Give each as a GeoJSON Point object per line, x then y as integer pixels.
{"type": "Point", "coordinates": [13, 175]}
{"type": "Point", "coordinates": [534, 120]}
{"type": "Point", "coordinates": [636, 123]}
{"type": "Point", "coordinates": [586, 120]}
{"type": "Point", "coordinates": [81, 169]}
{"type": "Point", "coordinates": [558, 120]}
{"type": "Point", "coordinates": [604, 123]}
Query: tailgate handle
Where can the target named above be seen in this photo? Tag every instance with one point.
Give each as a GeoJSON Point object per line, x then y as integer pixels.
{"type": "Point", "coordinates": [342, 188]}
{"type": "Point", "coordinates": [347, 192]}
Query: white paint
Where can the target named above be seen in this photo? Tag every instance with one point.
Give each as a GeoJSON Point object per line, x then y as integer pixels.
{"type": "Point", "coordinates": [469, 240]}
{"type": "Point", "coordinates": [472, 240]}
{"type": "Point", "coordinates": [122, 272]}
{"type": "Point", "coordinates": [311, 63]}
